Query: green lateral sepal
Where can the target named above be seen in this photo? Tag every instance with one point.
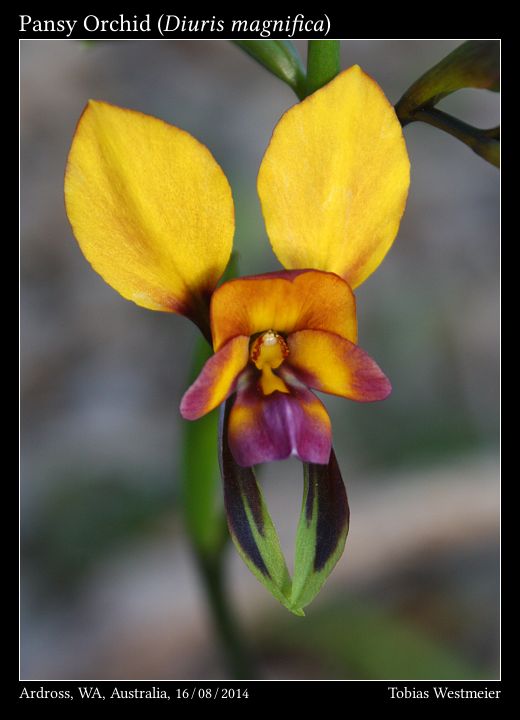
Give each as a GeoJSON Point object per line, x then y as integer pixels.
{"type": "Point", "coordinates": [250, 524]}
{"type": "Point", "coordinates": [322, 530]}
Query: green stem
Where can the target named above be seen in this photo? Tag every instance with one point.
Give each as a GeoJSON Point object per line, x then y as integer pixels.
{"type": "Point", "coordinates": [484, 142]}
{"type": "Point", "coordinates": [237, 656]}
{"type": "Point", "coordinates": [323, 63]}
{"type": "Point", "coordinates": [203, 511]}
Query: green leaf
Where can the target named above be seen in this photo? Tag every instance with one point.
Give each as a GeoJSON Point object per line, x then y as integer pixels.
{"type": "Point", "coordinates": [280, 58]}
{"type": "Point", "coordinates": [474, 64]}
{"type": "Point", "coordinates": [322, 530]}
{"type": "Point", "coordinates": [250, 524]}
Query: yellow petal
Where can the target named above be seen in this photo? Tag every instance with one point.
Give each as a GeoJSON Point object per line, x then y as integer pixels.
{"type": "Point", "coordinates": [150, 207]}
{"type": "Point", "coordinates": [334, 179]}
{"type": "Point", "coordinates": [329, 363]}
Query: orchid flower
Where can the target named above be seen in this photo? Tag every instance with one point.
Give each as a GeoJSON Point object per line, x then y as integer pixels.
{"type": "Point", "coordinates": [153, 213]}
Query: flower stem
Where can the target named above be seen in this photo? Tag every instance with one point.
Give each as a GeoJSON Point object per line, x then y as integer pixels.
{"type": "Point", "coordinates": [237, 656]}
{"type": "Point", "coordinates": [323, 63]}
{"type": "Point", "coordinates": [205, 521]}
{"type": "Point", "coordinates": [485, 143]}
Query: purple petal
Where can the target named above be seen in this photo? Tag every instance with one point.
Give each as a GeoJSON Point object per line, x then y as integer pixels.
{"type": "Point", "coordinates": [263, 428]}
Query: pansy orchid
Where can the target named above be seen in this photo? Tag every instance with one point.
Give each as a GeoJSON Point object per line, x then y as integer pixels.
{"type": "Point", "coordinates": [153, 213]}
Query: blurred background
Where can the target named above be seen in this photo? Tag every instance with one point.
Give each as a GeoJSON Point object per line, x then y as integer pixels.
{"type": "Point", "coordinates": [109, 588]}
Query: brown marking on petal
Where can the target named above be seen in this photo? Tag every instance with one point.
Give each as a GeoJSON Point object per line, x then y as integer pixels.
{"type": "Point", "coordinates": [197, 310]}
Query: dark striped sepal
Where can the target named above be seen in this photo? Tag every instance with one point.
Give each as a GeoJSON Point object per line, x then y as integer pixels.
{"type": "Point", "coordinates": [250, 524]}
{"type": "Point", "coordinates": [322, 530]}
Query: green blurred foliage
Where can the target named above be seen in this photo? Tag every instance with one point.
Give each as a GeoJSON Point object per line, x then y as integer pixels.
{"type": "Point", "coordinates": [85, 518]}
{"type": "Point", "coordinates": [356, 640]}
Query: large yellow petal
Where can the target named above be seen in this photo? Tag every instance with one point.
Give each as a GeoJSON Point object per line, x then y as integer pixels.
{"type": "Point", "coordinates": [334, 179]}
{"type": "Point", "coordinates": [150, 207]}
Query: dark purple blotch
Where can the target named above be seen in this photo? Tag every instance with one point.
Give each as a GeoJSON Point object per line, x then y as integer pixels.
{"type": "Point", "coordinates": [333, 508]}
{"type": "Point", "coordinates": [240, 485]}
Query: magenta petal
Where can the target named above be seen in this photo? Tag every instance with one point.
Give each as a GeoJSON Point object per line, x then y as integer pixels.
{"type": "Point", "coordinates": [217, 379]}
{"type": "Point", "coordinates": [263, 428]}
